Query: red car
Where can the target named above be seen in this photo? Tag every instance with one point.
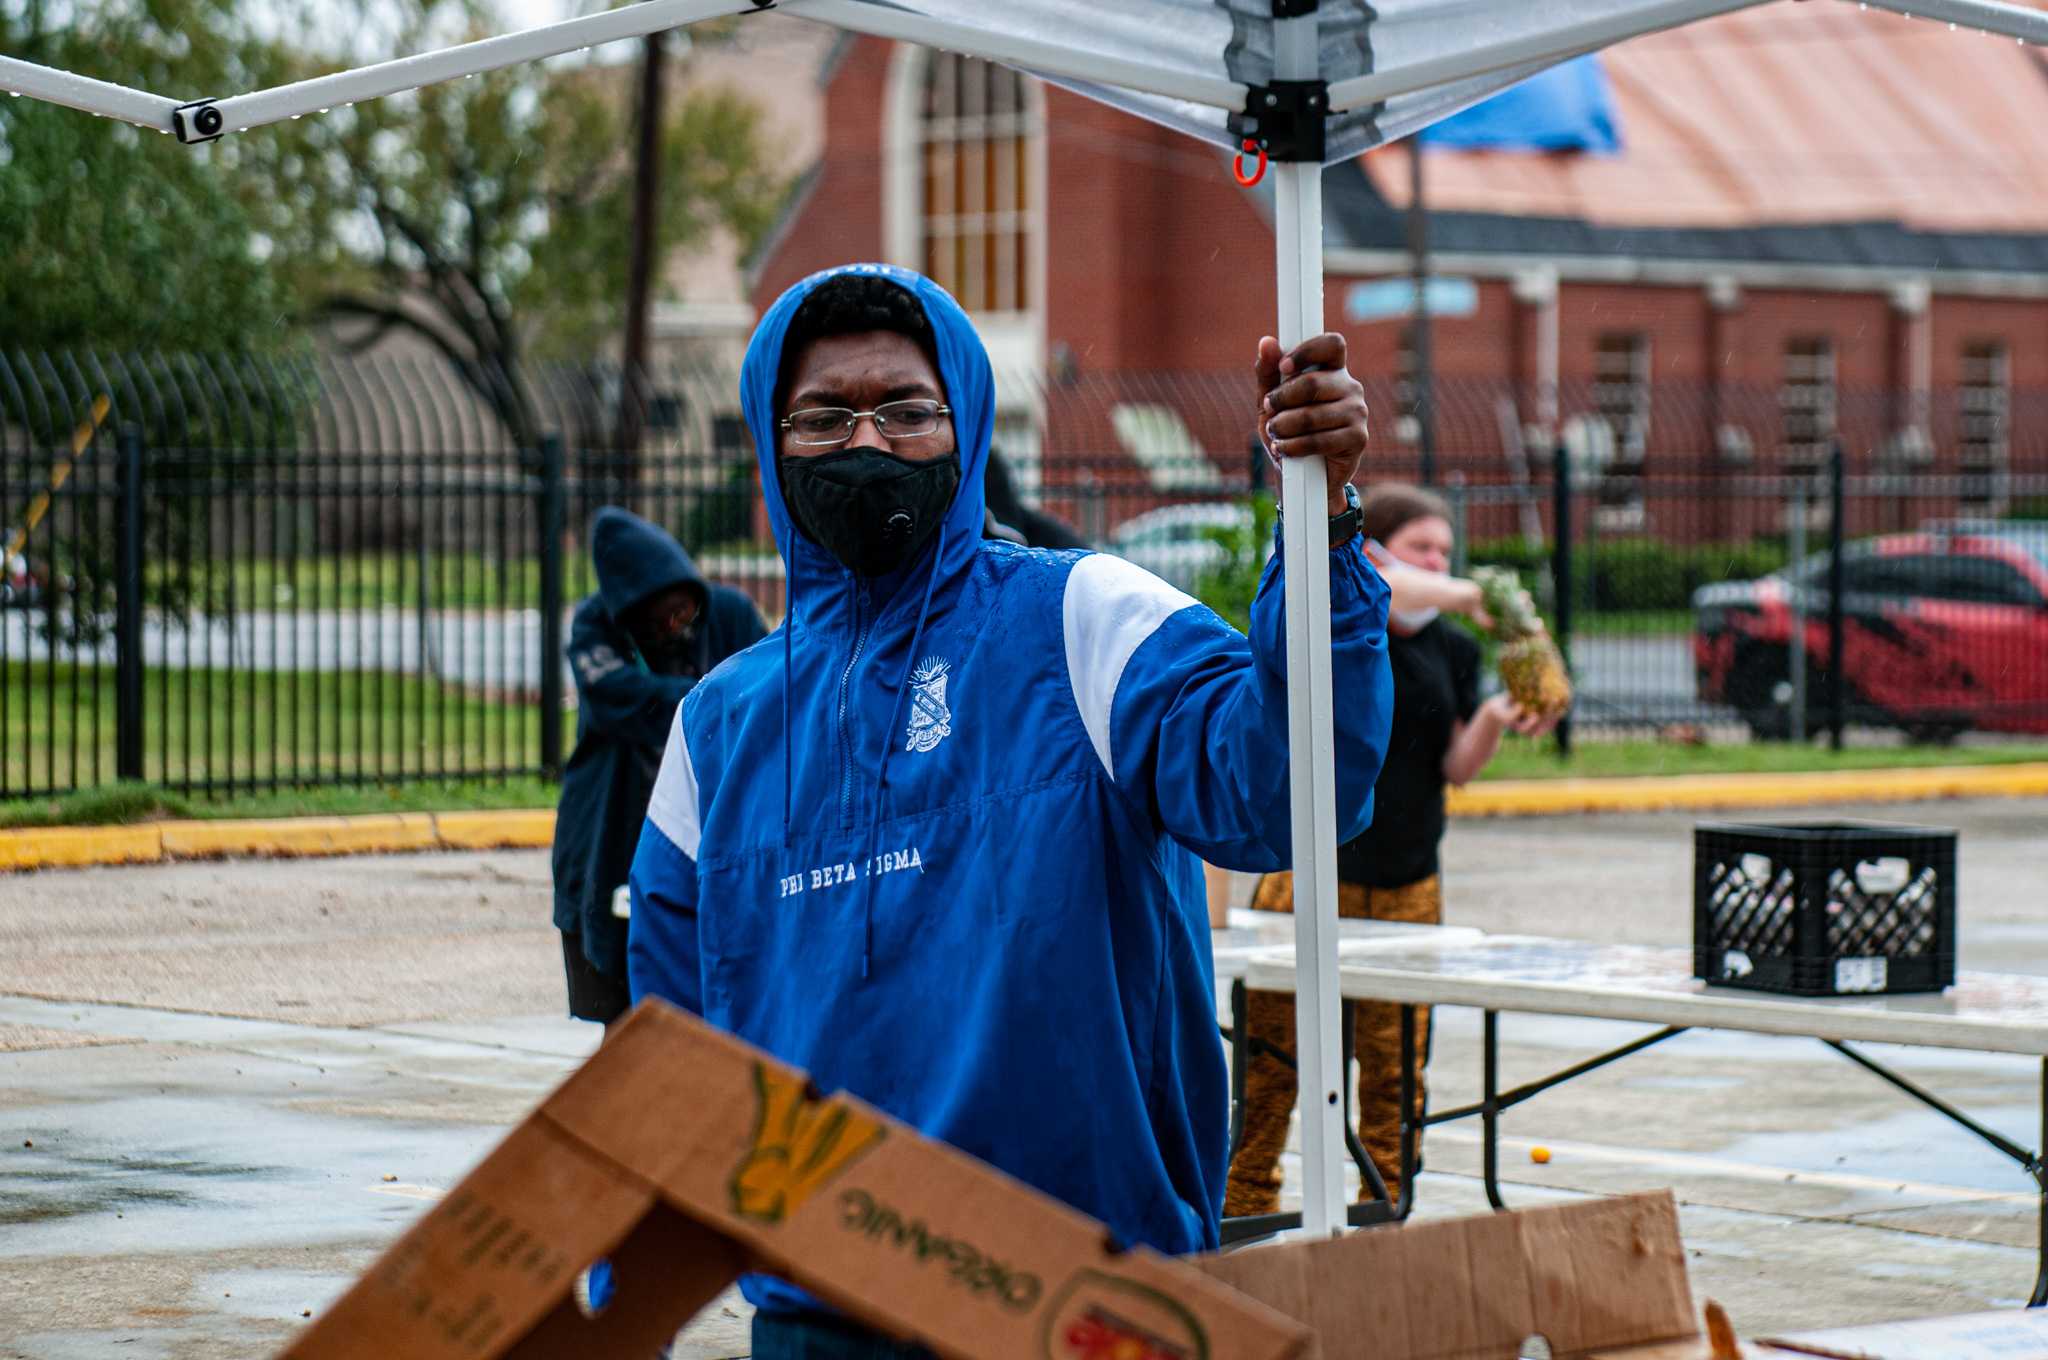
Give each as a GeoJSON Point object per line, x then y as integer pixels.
{"type": "Point", "coordinates": [1943, 632]}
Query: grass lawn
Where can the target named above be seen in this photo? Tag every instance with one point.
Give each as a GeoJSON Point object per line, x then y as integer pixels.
{"type": "Point", "coordinates": [57, 728]}
{"type": "Point", "coordinates": [409, 745]}
{"type": "Point", "coordinates": [1519, 759]}
{"type": "Point", "coordinates": [1632, 623]}
{"type": "Point", "coordinates": [120, 804]}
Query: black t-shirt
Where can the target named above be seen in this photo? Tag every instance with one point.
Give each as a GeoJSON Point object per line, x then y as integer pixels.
{"type": "Point", "coordinates": [1436, 686]}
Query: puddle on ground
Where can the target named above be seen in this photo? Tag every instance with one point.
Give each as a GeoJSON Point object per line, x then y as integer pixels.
{"type": "Point", "coordinates": [135, 1174]}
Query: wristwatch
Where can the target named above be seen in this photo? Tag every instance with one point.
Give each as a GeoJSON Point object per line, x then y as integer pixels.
{"type": "Point", "coordinates": [1344, 527]}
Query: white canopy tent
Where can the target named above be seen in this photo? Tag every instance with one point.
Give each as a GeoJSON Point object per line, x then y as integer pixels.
{"type": "Point", "coordinates": [1309, 82]}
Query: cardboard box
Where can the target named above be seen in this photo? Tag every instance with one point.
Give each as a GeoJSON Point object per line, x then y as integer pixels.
{"type": "Point", "coordinates": [1590, 1278]}
{"type": "Point", "coordinates": [687, 1157]}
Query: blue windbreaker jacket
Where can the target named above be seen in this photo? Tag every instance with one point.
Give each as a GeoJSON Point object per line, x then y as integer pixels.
{"type": "Point", "coordinates": [935, 839]}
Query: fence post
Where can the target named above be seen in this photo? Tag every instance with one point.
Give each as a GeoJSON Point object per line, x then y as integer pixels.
{"type": "Point", "coordinates": [1838, 680]}
{"type": "Point", "coordinates": [1461, 551]}
{"type": "Point", "coordinates": [128, 589]}
{"type": "Point", "coordinates": [552, 510]}
{"type": "Point", "coordinates": [1795, 535]}
{"type": "Point", "coordinates": [1561, 572]}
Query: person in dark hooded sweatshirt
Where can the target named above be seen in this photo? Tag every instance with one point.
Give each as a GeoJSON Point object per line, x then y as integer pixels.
{"type": "Point", "coordinates": [653, 629]}
{"type": "Point", "coordinates": [936, 840]}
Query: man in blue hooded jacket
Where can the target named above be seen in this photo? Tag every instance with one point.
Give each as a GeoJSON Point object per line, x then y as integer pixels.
{"type": "Point", "coordinates": [636, 647]}
{"type": "Point", "coordinates": [936, 840]}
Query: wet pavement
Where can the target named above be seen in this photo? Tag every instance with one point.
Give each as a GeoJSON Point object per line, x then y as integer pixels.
{"type": "Point", "coordinates": [225, 1087]}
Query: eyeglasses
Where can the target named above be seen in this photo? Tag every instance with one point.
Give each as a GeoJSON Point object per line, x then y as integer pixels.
{"type": "Point", "coordinates": [825, 426]}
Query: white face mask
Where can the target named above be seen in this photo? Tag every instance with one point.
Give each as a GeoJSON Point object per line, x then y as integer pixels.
{"type": "Point", "coordinates": [1413, 620]}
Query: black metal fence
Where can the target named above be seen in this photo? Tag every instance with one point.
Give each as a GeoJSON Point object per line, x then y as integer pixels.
{"type": "Point", "coordinates": [235, 574]}
{"type": "Point", "coordinates": [242, 573]}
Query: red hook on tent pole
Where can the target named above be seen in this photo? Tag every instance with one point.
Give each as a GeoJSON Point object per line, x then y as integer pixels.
{"type": "Point", "coordinates": [1237, 165]}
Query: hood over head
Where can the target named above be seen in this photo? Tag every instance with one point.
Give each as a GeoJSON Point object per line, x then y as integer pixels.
{"type": "Point", "coordinates": [970, 393]}
{"type": "Point", "coordinates": [636, 560]}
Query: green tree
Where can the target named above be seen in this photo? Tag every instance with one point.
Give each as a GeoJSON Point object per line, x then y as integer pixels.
{"type": "Point", "coordinates": [498, 208]}
{"type": "Point", "coordinates": [489, 216]}
{"type": "Point", "coordinates": [115, 236]}
{"type": "Point", "coordinates": [1230, 586]}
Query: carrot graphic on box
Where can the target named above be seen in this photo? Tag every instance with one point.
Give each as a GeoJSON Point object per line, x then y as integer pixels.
{"type": "Point", "coordinates": [800, 1143]}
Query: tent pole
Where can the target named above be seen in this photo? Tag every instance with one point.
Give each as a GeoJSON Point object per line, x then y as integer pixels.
{"type": "Point", "coordinates": [1298, 252]}
{"type": "Point", "coordinates": [1419, 325]}
{"type": "Point", "coordinates": [242, 111]}
{"type": "Point", "coordinates": [1991, 16]}
{"type": "Point", "coordinates": [102, 97]}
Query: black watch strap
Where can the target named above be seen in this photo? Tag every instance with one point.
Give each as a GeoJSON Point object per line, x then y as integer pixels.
{"type": "Point", "coordinates": [1344, 527]}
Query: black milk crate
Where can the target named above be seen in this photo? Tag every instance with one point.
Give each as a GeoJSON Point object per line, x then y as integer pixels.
{"type": "Point", "coordinates": [1824, 908]}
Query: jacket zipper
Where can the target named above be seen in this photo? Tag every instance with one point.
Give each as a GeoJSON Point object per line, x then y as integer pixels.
{"type": "Point", "coordinates": [860, 638]}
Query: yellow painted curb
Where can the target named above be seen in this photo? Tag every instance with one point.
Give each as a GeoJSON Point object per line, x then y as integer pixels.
{"type": "Point", "coordinates": [1556, 797]}
{"type": "Point", "coordinates": [301, 836]}
{"type": "Point", "coordinates": [70, 846]}
{"type": "Point", "coordinates": [73, 846]}
{"type": "Point", "coordinates": [495, 830]}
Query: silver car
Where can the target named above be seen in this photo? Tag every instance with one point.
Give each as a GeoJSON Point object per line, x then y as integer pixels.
{"type": "Point", "coordinates": [1178, 542]}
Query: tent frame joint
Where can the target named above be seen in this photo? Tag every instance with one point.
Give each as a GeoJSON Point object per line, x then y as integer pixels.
{"type": "Point", "coordinates": [197, 122]}
{"type": "Point", "coordinates": [1285, 118]}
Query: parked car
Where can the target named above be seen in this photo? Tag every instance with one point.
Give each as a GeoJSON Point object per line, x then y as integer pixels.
{"type": "Point", "coordinates": [1943, 632]}
{"type": "Point", "coordinates": [1178, 542]}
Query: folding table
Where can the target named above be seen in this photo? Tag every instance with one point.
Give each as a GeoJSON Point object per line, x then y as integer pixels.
{"type": "Point", "coordinates": [1983, 1012]}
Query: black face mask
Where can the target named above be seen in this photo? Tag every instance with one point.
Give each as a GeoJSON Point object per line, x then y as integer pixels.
{"type": "Point", "coordinates": [867, 507]}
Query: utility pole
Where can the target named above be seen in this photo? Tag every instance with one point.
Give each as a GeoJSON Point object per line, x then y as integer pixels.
{"type": "Point", "coordinates": [633, 388]}
{"type": "Point", "coordinates": [1424, 376]}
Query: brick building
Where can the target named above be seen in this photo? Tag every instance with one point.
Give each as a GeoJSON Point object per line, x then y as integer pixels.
{"type": "Point", "coordinates": [1823, 223]}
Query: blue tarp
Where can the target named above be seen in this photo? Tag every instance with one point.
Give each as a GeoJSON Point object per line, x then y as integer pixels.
{"type": "Point", "coordinates": [1566, 108]}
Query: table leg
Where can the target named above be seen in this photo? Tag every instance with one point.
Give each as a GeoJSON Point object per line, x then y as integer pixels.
{"type": "Point", "coordinates": [1410, 1118]}
{"type": "Point", "coordinates": [2040, 1174]}
{"type": "Point", "coordinates": [1489, 1111]}
{"type": "Point", "coordinates": [1368, 1174]}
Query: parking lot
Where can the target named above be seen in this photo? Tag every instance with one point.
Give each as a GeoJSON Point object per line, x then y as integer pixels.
{"type": "Point", "coordinates": [224, 1087]}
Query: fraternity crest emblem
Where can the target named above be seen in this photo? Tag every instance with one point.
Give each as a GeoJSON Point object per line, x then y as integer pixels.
{"type": "Point", "coordinates": [931, 722]}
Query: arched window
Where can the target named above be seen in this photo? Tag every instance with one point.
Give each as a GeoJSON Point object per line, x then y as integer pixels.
{"type": "Point", "coordinates": [978, 210]}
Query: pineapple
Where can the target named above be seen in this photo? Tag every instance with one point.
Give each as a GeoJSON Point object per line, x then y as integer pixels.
{"type": "Point", "coordinates": [1530, 665]}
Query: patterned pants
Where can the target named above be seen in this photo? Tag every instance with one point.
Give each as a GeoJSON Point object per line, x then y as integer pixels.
{"type": "Point", "coordinates": [1269, 1088]}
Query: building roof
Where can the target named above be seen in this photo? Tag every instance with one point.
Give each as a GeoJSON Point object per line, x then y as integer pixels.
{"type": "Point", "coordinates": [1795, 134]}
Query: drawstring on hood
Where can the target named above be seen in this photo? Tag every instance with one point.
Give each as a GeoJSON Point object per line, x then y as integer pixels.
{"type": "Point", "coordinates": [788, 759]}
{"type": "Point", "coordinates": [867, 908]}
{"type": "Point", "coordinates": [823, 592]}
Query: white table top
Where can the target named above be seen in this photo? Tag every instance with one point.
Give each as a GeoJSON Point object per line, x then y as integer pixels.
{"type": "Point", "coordinates": [1983, 1012]}
{"type": "Point", "coordinates": [1252, 933]}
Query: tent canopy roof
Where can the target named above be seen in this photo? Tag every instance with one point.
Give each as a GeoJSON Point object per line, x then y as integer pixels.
{"type": "Point", "coordinates": [1392, 66]}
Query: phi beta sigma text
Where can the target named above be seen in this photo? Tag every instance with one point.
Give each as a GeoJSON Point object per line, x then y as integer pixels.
{"type": "Point", "coordinates": [832, 875]}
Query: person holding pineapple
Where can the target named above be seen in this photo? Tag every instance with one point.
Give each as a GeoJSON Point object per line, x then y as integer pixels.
{"type": "Point", "coordinates": [1443, 735]}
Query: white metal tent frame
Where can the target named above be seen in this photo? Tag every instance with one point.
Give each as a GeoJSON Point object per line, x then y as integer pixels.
{"type": "Point", "coordinates": [1286, 116]}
